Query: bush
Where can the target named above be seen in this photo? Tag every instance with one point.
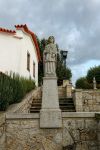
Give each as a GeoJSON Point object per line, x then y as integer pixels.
{"type": "Point", "coordinates": [6, 91]}
{"type": "Point", "coordinates": [13, 89]}
{"type": "Point", "coordinates": [82, 83]}
{"type": "Point", "coordinates": [87, 82]}
{"type": "Point", "coordinates": [93, 72]}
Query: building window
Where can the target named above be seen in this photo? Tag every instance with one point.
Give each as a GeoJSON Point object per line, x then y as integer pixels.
{"type": "Point", "coordinates": [28, 61]}
{"type": "Point", "coordinates": [33, 69]}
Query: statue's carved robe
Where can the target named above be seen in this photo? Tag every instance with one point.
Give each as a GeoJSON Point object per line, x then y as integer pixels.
{"type": "Point", "coordinates": [50, 59]}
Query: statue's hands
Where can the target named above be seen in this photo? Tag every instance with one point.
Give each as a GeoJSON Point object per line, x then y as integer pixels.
{"type": "Point", "coordinates": [53, 55]}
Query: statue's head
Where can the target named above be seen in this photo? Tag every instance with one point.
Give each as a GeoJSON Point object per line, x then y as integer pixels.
{"type": "Point", "coordinates": [51, 39]}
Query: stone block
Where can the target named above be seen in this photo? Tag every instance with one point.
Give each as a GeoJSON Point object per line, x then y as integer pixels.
{"type": "Point", "coordinates": [69, 90]}
{"type": "Point", "coordinates": [50, 93]}
{"type": "Point", "coordinates": [50, 118]}
{"type": "Point", "coordinates": [50, 114]}
{"type": "Point", "coordinates": [78, 100]}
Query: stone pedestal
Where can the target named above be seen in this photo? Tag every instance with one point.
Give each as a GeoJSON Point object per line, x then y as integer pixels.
{"type": "Point", "coordinates": [68, 87]}
{"type": "Point", "coordinates": [50, 114]}
{"type": "Point", "coordinates": [78, 100]}
{"type": "Point", "coordinates": [69, 90]}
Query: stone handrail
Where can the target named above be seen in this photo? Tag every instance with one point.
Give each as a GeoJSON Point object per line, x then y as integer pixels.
{"type": "Point", "coordinates": [24, 105]}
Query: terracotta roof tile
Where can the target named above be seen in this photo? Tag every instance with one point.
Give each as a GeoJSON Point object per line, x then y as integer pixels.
{"type": "Point", "coordinates": [7, 31]}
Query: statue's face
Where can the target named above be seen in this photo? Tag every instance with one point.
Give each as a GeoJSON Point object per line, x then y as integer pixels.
{"type": "Point", "coordinates": [51, 39]}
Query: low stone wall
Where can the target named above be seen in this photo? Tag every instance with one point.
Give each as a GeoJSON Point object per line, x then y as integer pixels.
{"type": "Point", "coordinates": [87, 100]}
{"type": "Point", "coordinates": [23, 133]}
{"type": "Point", "coordinates": [91, 100]}
{"type": "Point", "coordinates": [80, 131]}
{"type": "Point", "coordinates": [24, 105]}
{"type": "Point", "coordinates": [2, 131]}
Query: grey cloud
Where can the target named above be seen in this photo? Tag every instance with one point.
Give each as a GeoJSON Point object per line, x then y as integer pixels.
{"type": "Point", "coordinates": [74, 23]}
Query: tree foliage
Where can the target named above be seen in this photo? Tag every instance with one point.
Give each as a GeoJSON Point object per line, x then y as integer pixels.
{"type": "Point", "coordinates": [62, 71]}
{"type": "Point", "coordinates": [87, 82]}
{"type": "Point", "coordinates": [93, 72]}
{"type": "Point", "coordinates": [82, 83]}
{"type": "Point", "coordinates": [42, 44]}
{"type": "Point", "coordinates": [13, 89]}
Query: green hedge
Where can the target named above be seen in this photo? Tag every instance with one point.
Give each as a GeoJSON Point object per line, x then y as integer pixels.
{"type": "Point", "coordinates": [13, 89]}
{"type": "Point", "coordinates": [82, 83]}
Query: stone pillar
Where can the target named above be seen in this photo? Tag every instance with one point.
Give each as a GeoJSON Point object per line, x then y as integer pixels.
{"type": "Point", "coordinates": [78, 100]}
{"type": "Point", "coordinates": [69, 90]}
{"type": "Point", "coordinates": [50, 114]}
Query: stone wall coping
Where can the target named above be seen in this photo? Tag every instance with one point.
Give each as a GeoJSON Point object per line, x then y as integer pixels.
{"type": "Point", "coordinates": [15, 107]}
{"type": "Point", "coordinates": [22, 116]}
{"type": "Point", "coordinates": [78, 90]}
{"type": "Point", "coordinates": [64, 115]}
{"type": "Point", "coordinates": [91, 90]}
{"type": "Point", "coordinates": [79, 114]}
{"type": "Point", "coordinates": [25, 100]}
{"type": "Point", "coordinates": [87, 90]}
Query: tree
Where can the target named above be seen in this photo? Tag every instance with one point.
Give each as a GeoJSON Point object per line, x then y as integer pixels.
{"type": "Point", "coordinates": [82, 83]}
{"type": "Point", "coordinates": [62, 71]}
{"type": "Point", "coordinates": [93, 72]}
{"type": "Point", "coordinates": [87, 82]}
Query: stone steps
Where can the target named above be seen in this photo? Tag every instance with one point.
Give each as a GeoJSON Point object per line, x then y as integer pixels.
{"type": "Point", "coordinates": [66, 105]}
{"type": "Point", "coordinates": [36, 106]}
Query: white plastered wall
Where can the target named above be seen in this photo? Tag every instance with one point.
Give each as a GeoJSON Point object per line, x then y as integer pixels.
{"type": "Point", "coordinates": [13, 54]}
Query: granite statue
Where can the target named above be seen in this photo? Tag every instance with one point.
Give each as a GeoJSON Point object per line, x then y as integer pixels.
{"type": "Point", "coordinates": [50, 57]}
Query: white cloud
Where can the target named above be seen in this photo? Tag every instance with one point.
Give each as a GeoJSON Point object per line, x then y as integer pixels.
{"type": "Point", "coordinates": [74, 23]}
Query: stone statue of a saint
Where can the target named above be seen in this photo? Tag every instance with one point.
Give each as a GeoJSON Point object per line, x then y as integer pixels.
{"type": "Point", "coordinates": [50, 57]}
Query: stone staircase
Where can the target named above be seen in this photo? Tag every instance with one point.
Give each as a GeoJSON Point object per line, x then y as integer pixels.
{"type": "Point", "coordinates": [36, 105]}
{"type": "Point", "coordinates": [66, 105]}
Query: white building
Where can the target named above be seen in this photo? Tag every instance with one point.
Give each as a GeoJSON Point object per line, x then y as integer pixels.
{"type": "Point", "coordinates": [19, 52]}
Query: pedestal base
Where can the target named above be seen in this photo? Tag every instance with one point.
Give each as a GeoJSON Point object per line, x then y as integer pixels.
{"type": "Point", "coordinates": [50, 114]}
{"type": "Point", "coordinates": [50, 93]}
{"type": "Point", "coordinates": [50, 118]}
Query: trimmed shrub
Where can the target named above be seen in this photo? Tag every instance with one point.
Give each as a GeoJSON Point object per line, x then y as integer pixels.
{"type": "Point", "coordinates": [94, 72]}
{"type": "Point", "coordinates": [82, 83]}
{"type": "Point", "coordinates": [6, 91]}
{"type": "Point", "coordinates": [87, 82]}
{"type": "Point", "coordinates": [13, 89]}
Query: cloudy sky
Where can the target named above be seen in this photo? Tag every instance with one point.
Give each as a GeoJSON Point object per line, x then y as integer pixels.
{"type": "Point", "coordinates": [74, 23]}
